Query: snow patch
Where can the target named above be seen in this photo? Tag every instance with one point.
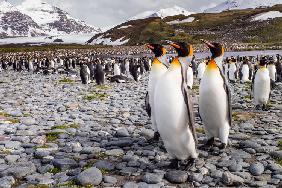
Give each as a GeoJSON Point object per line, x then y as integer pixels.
{"type": "Point", "coordinates": [187, 20]}
{"type": "Point", "coordinates": [108, 41]}
{"type": "Point", "coordinates": [125, 27]}
{"type": "Point", "coordinates": [163, 13]}
{"type": "Point", "coordinates": [5, 7]}
{"type": "Point", "coordinates": [267, 16]}
{"type": "Point", "coordinates": [242, 4]}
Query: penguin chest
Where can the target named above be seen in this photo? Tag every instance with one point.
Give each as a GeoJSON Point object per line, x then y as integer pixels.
{"type": "Point", "coordinates": [262, 86]}
{"type": "Point", "coordinates": [201, 70]}
{"type": "Point", "coordinates": [213, 101]}
{"type": "Point", "coordinates": [172, 116]}
{"type": "Point", "coordinates": [190, 78]}
{"type": "Point", "coordinates": [245, 73]}
{"type": "Point", "coordinates": [232, 70]}
{"type": "Point", "coordinates": [155, 74]}
{"type": "Point", "coordinates": [272, 71]}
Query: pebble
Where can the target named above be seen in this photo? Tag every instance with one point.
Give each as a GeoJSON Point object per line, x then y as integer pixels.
{"type": "Point", "coordinates": [91, 176]}
{"type": "Point", "coordinates": [256, 169]}
{"type": "Point", "coordinates": [176, 176]}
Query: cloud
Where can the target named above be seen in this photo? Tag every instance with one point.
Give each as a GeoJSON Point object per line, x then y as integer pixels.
{"type": "Point", "coordinates": [104, 13]}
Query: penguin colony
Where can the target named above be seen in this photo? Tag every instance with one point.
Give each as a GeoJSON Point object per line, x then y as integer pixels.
{"type": "Point", "coordinates": [169, 101]}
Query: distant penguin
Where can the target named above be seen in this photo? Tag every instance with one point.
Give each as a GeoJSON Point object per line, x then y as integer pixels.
{"type": "Point", "coordinates": [30, 66]}
{"type": "Point", "coordinates": [272, 70]}
{"type": "Point", "coordinates": [122, 68]}
{"type": "Point", "coordinates": [99, 74]}
{"type": "Point", "coordinates": [190, 77]}
{"type": "Point", "coordinates": [127, 68]}
{"type": "Point", "coordinates": [261, 85]}
{"type": "Point", "coordinates": [85, 74]}
{"type": "Point", "coordinates": [245, 72]}
{"type": "Point", "coordinates": [52, 64]}
{"type": "Point", "coordinates": [174, 109]}
{"type": "Point", "coordinates": [91, 69]}
{"type": "Point", "coordinates": [215, 99]}
{"type": "Point", "coordinates": [117, 69]}
{"type": "Point", "coordinates": [157, 71]}
{"type": "Point", "coordinates": [232, 71]}
{"type": "Point", "coordinates": [201, 69]}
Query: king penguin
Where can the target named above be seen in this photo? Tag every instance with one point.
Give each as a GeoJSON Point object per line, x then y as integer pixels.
{"type": "Point", "coordinates": [157, 70]}
{"type": "Point", "coordinates": [272, 71]}
{"type": "Point", "coordinates": [245, 71]}
{"type": "Point", "coordinates": [261, 85]}
{"type": "Point", "coordinates": [201, 69]}
{"type": "Point", "coordinates": [85, 74]}
{"type": "Point", "coordinates": [174, 109]}
{"type": "Point", "coordinates": [99, 74]}
{"type": "Point", "coordinates": [215, 99]}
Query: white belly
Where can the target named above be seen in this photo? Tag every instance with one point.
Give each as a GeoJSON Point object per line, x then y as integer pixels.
{"type": "Point", "coordinates": [155, 74]}
{"type": "Point", "coordinates": [262, 87]}
{"type": "Point", "coordinates": [172, 117]}
{"type": "Point", "coordinates": [272, 72]}
{"type": "Point", "coordinates": [190, 79]}
{"type": "Point", "coordinates": [201, 70]}
{"type": "Point", "coordinates": [232, 70]}
{"type": "Point", "coordinates": [213, 106]}
{"type": "Point", "coordinates": [116, 70]}
{"type": "Point", "coordinates": [245, 73]}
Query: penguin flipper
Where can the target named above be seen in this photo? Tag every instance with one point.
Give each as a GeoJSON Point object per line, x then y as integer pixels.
{"type": "Point", "coordinates": [253, 81]}
{"type": "Point", "coordinates": [228, 95]}
{"type": "Point", "coordinates": [191, 115]}
{"type": "Point", "coordinates": [147, 104]}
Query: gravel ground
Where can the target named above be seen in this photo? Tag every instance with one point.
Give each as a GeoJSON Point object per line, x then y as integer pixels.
{"type": "Point", "coordinates": [72, 135]}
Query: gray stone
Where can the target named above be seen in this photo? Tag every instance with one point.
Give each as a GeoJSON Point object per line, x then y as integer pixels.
{"type": "Point", "coordinates": [92, 176]}
{"type": "Point", "coordinates": [231, 179]}
{"type": "Point", "coordinates": [122, 132]}
{"type": "Point", "coordinates": [28, 121]}
{"type": "Point", "coordinates": [115, 152]}
{"type": "Point", "coordinates": [20, 170]}
{"type": "Point", "coordinates": [276, 154]}
{"type": "Point", "coordinates": [105, 165]}
{"type": "Point", "coordinates": [65, 164]}
{"type": "Point", "coordinates": [176, 176]}
{"type": "Point", "coordinates": [151, 178]}
{"type": "Point", "coordinates": [12, 158]}
{"type": "Point", "coordinates": [7, 182]}
{"type": "Point", "coordinates": [13, 145]}
{"type": "Point", "coordinates": [130, 185]}
{"type": "Point", "coordinates": [110, 179]}
{"type": "Point", "coordinates": [197, 177]}
{"type": "Point", "coordinates": [256, 169]}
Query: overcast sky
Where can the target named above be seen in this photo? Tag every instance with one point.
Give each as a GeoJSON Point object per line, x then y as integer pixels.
{"type": "Point", "coordinates": [104, 13]}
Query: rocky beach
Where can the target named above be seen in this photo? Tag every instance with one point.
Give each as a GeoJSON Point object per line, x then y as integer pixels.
{"type": "Point", "coordinates": [56, 132]}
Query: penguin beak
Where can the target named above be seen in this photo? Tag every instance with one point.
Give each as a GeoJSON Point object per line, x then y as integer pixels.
{"type": "Point", "coordinates": [150, 46]}
{"type": "Point", "coordinates": [175, 45]}
{"type": "Point", "coordinates": [208, 43]}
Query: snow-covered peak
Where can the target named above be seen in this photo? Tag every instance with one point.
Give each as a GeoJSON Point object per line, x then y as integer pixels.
{"type": "Point", "coordinates": [41, 12]}
{"type": "Point", "coordinates": [5, 6]}
{"type": "Point", "coordinates": [163, 13]}
{"type": "Point", "coordinates": [242, 4]}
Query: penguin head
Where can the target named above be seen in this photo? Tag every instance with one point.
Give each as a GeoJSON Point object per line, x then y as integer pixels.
{"type": "Point", "coordinates": [157, 49]}
{"type": "Point", "coordinates": [263, 61]}
{"type": "Point", "coordinates": [216, 49]}
{"type": "Point", "coordinates": [183, 49]}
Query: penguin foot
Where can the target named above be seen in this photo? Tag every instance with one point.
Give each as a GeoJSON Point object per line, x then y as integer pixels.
{"type": "Point", "coordinates": [208, 144]}
{"type": "Point", "coordinates": [265, 108]}
{"type": "Point", "coordinates": [156, 138]}
{"type": "Point", "coordinates": [257, 107]}
{"type": "Point", "coordinates": [190, 163]}
{"type": "Point", "coordinates": [174, 164]}
{"type": "Point", "coordinates": [222, 146]}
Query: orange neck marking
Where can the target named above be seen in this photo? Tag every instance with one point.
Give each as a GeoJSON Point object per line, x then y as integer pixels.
{"type": "Point", "coordinates": [176, 63]}
{"type": "Point", "coordinates": [212, 65]}
{"type": "Point", "coordinates": [156, 61]}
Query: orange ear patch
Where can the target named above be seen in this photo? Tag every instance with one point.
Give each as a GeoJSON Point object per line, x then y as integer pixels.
{"type": "Point", "coordinates": [190, 50]}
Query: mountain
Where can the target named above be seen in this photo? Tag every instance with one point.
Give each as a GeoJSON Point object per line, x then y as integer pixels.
{"type": "Point", "coordinates": [37, 18]}
{"type": "Point", "coordinates": [15, 23]}
{"type": "Point", "coordinates": [53, 20]}
{"type": "Point", "coordinates": [242, 4]}
{"type": "Point", "coordinates": [162, 13]}
{"type": "Point", "coordinates": [260, 25]}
